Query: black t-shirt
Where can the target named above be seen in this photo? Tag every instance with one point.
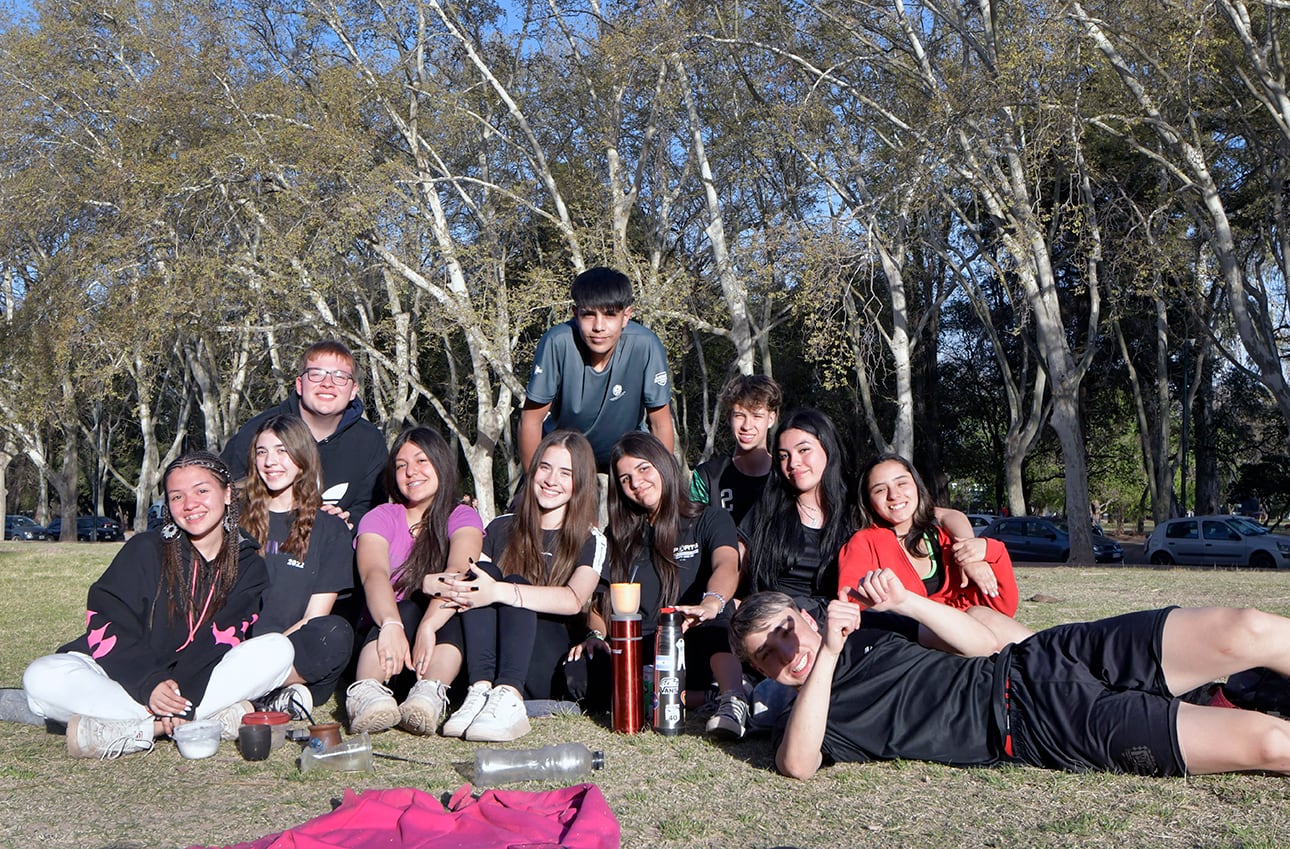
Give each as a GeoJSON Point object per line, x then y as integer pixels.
{"type": "Point", "coordinates": [697, 539]}
{"type": "Point", "coordinates": [893, 699]}
{"type": "Point", "coordinates": [718, 481]}
{"type": "Point", "coordinates": [498, 533]}
{"type": "Point", "coordinates": [328, 567]}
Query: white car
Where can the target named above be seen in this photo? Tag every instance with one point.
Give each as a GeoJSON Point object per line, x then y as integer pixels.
{"type": "Point", "coordinates": [981, 521]}
{"type": "Point", "coordinates": [1222, 540]}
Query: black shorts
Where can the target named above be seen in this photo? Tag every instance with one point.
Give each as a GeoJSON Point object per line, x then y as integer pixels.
{"type": "Point", "coordinates": [1092, 696]}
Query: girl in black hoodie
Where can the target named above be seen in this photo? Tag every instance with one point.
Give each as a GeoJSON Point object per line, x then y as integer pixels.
{"type": "Point", "coordinates": [166, 628]}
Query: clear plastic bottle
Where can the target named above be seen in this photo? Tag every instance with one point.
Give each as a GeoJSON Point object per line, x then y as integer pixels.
{"type": "Point", "coordinates": [352, 755]}
{"type": "Point", "coordinates": [563, 762]}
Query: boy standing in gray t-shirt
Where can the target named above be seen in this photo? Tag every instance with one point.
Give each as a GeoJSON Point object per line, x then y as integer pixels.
{"type": "Point", "coordinates": [601, 373]}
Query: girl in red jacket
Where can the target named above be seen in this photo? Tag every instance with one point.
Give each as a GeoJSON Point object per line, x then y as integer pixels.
{"type": "Point", "coordinates": [900, 531]}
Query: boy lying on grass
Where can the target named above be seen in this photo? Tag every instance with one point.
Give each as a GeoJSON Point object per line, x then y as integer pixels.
{"type": "Point", "coordinates": [1088, 696]}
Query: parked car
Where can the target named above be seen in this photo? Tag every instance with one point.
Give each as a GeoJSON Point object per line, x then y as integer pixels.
{"type": "Point", "coordinates": [981, 521]}
{"type": "Point", "coordinates": [22, 528]}
{"type": "Point", "coordinates": [90, 529]}
{"type": "Point", "coordinates": [1045, 540]}
{"type": "Point", "coordinates": [1223, 540]}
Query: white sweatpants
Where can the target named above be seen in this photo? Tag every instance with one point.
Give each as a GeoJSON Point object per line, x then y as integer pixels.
{"type": "Point", "coordinates": [60, 685]}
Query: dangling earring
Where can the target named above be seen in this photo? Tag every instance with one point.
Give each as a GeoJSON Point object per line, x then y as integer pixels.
{"type": "Point", "coordinates": [229, 524]}
{"type": "Point", "coordinates": [169, 531]}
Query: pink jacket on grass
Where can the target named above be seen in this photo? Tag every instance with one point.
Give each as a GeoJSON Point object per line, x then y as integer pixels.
{"type": "Point", "coordinates": [576, 817]}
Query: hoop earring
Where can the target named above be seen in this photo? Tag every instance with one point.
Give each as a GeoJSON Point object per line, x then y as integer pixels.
{"type": "Point", "coordinates": [169, 531]}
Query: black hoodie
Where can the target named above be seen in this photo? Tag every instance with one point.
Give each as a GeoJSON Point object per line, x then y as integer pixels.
{"type": "Point", "coordinates": [132, 636]}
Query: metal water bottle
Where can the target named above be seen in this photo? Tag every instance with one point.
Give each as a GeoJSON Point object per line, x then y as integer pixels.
{"type": "Point", "coordinates": [625, 654]}
{"type": "Point", "coordinates": [669, 673]}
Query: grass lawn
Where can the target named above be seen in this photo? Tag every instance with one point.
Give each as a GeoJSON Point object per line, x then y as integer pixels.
{"type": "Point", "coordinates": [679, 792]}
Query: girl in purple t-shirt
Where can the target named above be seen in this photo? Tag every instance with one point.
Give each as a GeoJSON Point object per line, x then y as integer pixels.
{"type": "Point", "coordinates": [403, 548]}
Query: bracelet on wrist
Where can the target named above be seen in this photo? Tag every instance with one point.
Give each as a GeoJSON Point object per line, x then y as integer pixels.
{"type": "Point", "coordinates": [718, 596]}
{"type": "Point", "coordinates": [594, 634]}
{"type": "Point", "coordinates": [389, 622]}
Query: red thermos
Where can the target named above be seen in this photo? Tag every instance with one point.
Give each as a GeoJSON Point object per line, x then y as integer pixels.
{"type": "Point", "coordinates": [625, 652]}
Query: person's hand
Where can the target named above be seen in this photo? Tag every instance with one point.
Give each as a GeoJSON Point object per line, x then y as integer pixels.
{"type": "Point", "coordinates": [842, 618]}
{"type": "Point", "coordinates": [166, 700]}
{"type": "Point", "coordinates": [704, 611]}
{"type": "Point", "coordinates": [335, 510]}
{"type": "Point", "coordinates": [480, 590]}
{"type": "Point", "coordinates": [589, 647]}
{"type": "Point", "coordinates": [881, 590]}
{"type": "Point", "coordinates": [392, 651]}
{"type": "Point", "coordinates": [979, 573]}
{"type": "Point", "coordinates": [423, 649]}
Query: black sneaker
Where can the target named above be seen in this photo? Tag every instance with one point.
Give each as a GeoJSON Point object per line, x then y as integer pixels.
{"type": "Point", "coordinates": [295, 700]}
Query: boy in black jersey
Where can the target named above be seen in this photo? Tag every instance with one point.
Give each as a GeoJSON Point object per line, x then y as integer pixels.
{"type": "Point", "coordinates": [1088, 696]}
{"type": "Point", "coordinates": [735, 482]}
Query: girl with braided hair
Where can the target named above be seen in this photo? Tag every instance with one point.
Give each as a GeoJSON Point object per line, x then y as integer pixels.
{"type": "Point", "coordinates": [167, 628]}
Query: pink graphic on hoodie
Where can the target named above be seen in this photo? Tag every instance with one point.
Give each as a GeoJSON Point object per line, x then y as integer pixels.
{"type": "Point", "coordinates": [99, 644]}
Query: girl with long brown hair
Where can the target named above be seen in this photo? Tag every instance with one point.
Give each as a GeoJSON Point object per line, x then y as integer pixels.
{"type": "Point", "coordinates": [526, 599]}
{"type": "Point", "coordinates": [403, 549]}
{"type": "Point", "coordinates": [309, 557]}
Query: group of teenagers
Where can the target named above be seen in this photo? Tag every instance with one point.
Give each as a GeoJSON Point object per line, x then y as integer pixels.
{"type": "Point", "coordinates": [309, 553]}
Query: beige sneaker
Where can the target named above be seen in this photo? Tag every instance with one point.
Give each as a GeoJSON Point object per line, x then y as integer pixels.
{"type": "Point", "coordinates": [503, 718]}
{"type": "Point", "coordinates": [108, 738]}
{"type": "Point", "coordinates": [371, 706]}
{"type": "Point", "coordinates": [424, 708]}
{"type": "Point", "coordinates": [476, 698]}
{"type": "Point", "coordinates": [230, 719]}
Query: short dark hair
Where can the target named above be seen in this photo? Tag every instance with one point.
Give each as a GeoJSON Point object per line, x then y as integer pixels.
{"type": "Point", "coordinates": [601, 288]}
{"type": "Point", "coordinates": [756, 613]}
{"type": "Point", "coordinates": [752, 391]}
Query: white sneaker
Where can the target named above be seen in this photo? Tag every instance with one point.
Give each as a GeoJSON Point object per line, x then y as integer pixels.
{"type": "Point", "coordinates": [371, 706]}
{"type": "Point", "coordinates": [230, 719]}
{"type": "Point", "coordinates": [424, 708]}
{"type": "Point", "coordinates": [476, 698]}
{"type": "Point", "coordinates": [502, 719]}
{"type": "Point", "coordinates": [295, 700]}
{"type": "Point", "coordinates": [107, 738]}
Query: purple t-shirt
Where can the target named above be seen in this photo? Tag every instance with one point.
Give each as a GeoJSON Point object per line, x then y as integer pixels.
{"type": "Point", "coordinates": [390, 521]}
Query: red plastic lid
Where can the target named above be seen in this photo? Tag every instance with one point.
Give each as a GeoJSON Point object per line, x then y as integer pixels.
{"type": "Point", "coordinates": [667, 610]}
{"type": "Point", "coordinates": [266, 717]}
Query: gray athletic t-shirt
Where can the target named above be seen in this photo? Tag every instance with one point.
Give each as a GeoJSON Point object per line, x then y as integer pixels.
{"type": "Point", "coordinates": [601, 405]}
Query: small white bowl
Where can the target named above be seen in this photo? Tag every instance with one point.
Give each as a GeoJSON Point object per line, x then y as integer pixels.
{"type": "Point", "coordinates": [199, 739]}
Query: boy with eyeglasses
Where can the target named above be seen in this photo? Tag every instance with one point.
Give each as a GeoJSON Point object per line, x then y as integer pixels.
{"type": "Point", "coordinates": [352, 449]}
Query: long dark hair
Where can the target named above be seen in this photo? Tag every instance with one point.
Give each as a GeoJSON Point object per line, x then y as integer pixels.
{"type": "Point", "coordinates": [185, 575]}
{"type": "Point", "coordinates": [305, 493]}
{"type": "Point", "coordinates": [523, 553]}
{"type": "Point", "coordinates": [924, 518]}
{"type": "Point", "coordinates": [629, 523]}
{"type": "Point", "coordinates": [776, 541]}
{"type": "Point", "coordinates": [430, 550]}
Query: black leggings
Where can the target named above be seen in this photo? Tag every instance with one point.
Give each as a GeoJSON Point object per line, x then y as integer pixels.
{"type": "Point", "coordinates": [323, 646]}
{"type": "Point", "coordinates": [411, 611]}
{"type": "Point", "coordinates": [516, 646]}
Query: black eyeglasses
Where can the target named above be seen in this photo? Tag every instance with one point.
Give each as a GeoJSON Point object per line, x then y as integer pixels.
{"type": "Point", "coordinates": [318, 375]}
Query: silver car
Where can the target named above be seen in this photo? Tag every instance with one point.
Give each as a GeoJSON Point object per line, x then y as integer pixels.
{"type": "Point", "coordinates": [1221, 540]}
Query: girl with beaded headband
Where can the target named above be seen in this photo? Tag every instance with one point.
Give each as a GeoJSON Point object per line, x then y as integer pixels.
{"type": "Point", "coordinates": [684, 555]}
{"type": "Point", "coordinates": [403, 549]}
{"type": "Point", "coordinates": [525, 604]}
{"type": "Point", "coordinates": [167, 628]}
{"type": "Point", "coordinates": [310, 559]}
